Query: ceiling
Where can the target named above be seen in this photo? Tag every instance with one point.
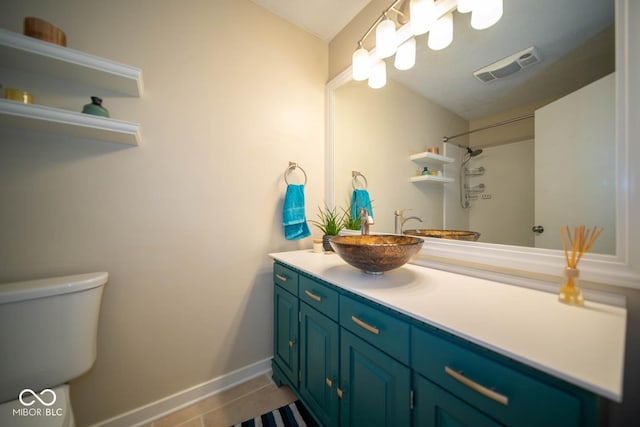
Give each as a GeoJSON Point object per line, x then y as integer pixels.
{"type": "Point", "coordinates": [554, 27]}
{"type": "Point", "coordinates": [322, 18]}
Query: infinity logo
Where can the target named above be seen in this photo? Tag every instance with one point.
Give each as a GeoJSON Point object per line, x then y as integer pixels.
{"type": "Point", "coordinates": [36, 397]}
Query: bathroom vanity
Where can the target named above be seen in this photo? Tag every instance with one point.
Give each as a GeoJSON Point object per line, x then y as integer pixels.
{"type": "Point", "coordinates": [423, 347]}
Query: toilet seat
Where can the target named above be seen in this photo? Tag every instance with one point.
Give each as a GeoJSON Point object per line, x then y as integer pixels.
{"type": "Point", "coordinates": [37, 414]}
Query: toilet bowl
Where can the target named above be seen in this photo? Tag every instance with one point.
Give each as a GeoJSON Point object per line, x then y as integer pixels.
{"type": "Point", "coordinates": [48, 332]}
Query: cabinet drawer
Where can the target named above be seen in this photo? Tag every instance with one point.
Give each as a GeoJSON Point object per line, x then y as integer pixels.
{"type": "Point", "coordinates": [507, 394]}
{"type": "Point", "coordinates": [384, 331]}
{"type": "Point", "coordinates": [286, 278]}
{"type": "Point", "coordinates": [319, 296]}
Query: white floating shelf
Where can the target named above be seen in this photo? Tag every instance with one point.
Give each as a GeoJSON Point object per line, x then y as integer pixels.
{"type": "Point", "coordinates": [27, 53]}
{"type": "Point", "coordinates": [63, 122]}
{"type": "Point", "coordinates": [427, 158]}
{"type": "Point", "coordinates": [431, 178]}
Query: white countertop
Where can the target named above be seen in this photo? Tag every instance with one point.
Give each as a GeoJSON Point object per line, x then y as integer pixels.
{"type": "Point", "coordinates": [581, 345]}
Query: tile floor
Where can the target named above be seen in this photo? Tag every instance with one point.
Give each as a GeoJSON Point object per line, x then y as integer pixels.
{"type": "Point", "coordinates": [245, 401]}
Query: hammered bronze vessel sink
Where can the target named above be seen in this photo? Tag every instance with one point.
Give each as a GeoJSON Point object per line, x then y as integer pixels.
{"type": "Point", "coordinates": [376, 253]}
{"type": "Point", "coordinates": [471, 236]}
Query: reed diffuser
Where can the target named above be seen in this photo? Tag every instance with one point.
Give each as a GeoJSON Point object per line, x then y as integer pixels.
{"type": "Point", "coordinates": [579, 243]}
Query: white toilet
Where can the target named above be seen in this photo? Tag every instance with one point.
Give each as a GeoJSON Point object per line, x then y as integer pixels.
{"type": "Point", "coordinates": [48, 331]}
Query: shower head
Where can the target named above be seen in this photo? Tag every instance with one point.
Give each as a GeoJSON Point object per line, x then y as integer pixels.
{"type": "Point", "coordinates": [470, 152]}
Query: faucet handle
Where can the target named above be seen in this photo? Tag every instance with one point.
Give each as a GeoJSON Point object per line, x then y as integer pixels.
{"type": "Point", "coordinates": [400, 212]}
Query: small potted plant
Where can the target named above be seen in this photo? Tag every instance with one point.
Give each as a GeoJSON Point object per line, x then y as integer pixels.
{"type": "Point", "coordinates": [330, 222]}
{"type": "Point", "coordinates": [351, 223]}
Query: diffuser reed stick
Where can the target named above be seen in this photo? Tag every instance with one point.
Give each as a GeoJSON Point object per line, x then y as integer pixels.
{"type": "Point", "coordinates": [580, 242]}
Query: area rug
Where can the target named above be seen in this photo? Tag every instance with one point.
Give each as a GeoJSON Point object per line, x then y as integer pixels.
{"type": "Point", "coordinates": [291, 415]}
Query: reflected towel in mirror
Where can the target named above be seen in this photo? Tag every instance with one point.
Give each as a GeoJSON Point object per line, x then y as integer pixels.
{"type": "Point", "coordinates": [359, 200]}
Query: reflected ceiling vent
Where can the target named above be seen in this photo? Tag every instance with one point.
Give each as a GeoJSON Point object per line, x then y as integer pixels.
{"type": "Point", "coordinates": [509, 65]}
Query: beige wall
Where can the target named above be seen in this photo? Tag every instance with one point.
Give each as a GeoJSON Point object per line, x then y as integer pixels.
{"type": "Point", "coordinates": [183, 223]}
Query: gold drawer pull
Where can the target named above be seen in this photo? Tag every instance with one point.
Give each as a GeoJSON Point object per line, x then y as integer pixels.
{"type": "Point", "coordinates": [292, 343]}
{"type": "Point", "coordinates": [340, 393]}
{"type": "Point", "coordinates": [366, 326]}
{"type": "Point", "coordinates": [329, 382]}
{"type": "Point", "coordinates": [313, 296]}
{"type": "Point", "coordinates": [281, 277]}
{"type": "Point", "coordinates": [500, 398]}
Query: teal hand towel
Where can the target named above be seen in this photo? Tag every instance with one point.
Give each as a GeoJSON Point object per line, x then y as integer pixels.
{"type": "Point", "coordinates": [360, 199]}
{"type": "Point", "coordinates": [293, 216]}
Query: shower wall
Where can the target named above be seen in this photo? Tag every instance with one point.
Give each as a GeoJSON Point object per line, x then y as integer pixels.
{"type": "Point", "coordinates": [504, 212]}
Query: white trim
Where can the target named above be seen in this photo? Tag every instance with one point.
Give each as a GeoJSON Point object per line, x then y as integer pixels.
{"type": "Point", "coordinates": [147, 413]}
{"type": "Point", "coordinates": [65, 62]}
{"type": "Point", "coordinates": [56, 120]}
{"type": "Point", "coordinates": [341, 79]}
{"type": "Point", "coordinates": [622, 269]}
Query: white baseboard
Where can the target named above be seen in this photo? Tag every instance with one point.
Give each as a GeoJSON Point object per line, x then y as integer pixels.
{"type": "Point", "coordinates": [184, 398]}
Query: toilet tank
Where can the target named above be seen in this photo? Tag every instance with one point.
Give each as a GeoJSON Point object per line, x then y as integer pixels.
{"type": "Point", "coordinates": [48, 331]}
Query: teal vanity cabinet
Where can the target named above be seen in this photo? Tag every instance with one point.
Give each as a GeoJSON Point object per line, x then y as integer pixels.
{"type": "Point", "coordinates": [458, 383]}
{"type": "Point", "coordinates": [285, 331]}
{"type": "Point", "coordinates": [435, 407]}
{"type": "Point", "coordinates": [306, 341]}
{"type": "Point", "coordinates": [319, 341]}
{"type": "Point", "coordinates": [375, 380]}
{"type": "Point", "coordinates": [344, 377]}
{"type": "Point", "coordinates": [354, 362]}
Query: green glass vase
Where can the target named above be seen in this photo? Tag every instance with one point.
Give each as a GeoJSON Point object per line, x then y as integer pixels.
{"type": "Point", "coordinates": [95, 107]}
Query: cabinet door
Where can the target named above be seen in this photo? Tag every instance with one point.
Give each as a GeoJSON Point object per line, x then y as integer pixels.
{"type": "Point", "coordinates": [319, 364]}
{"type": "Point", "coordinates": [285, 333]}
{"type": "Point", "coordinates": [434, 407]}
{"type": "Point", "coordinates": [375, 387]}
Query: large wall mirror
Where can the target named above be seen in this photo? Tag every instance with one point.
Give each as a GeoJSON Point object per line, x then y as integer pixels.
{"type": "Point", "coordinates": [546, 140]}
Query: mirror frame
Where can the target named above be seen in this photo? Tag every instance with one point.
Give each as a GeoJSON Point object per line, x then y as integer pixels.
{"type": "Point", "coordinates": [492, 260]}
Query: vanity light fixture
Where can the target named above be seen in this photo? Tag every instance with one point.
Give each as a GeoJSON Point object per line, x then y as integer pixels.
{"type": "Point", "coordinates": [406, 55]}
{"type": "Point", "coordinates": [422, 14]}
{"type": "Point", "coordinates": [441, 34]}
{"type": "Point", "coordinates": [361, 64]}
{"type": "Point", "coordinates": [425, 16]}
{"type": "Point", "coordinates": [378, 75]}
{"type": "Point", "coordinates": [386, 43]}
{"type": "Point", "coordinates": [486, 13]}
{"type": "Point", "coordinates": [466, 6]}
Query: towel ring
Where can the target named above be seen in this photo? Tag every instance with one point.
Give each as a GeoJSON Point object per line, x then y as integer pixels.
{"type": "Point", "coordinates": [354, 182]}
{"type": "Point", "coordinates": [292, 167]}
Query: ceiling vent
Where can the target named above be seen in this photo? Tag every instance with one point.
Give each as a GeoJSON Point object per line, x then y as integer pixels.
{"type": "Point", "coordinates": [509, 65]}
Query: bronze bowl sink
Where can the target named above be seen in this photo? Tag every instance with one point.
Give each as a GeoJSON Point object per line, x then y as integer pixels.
{"type": "Point", "coordinates": [471, 236]}
{"type": "Point", "coordinates": [376, 253]}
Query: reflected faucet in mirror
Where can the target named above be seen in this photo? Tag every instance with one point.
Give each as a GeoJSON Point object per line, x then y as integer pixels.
{"type": "Point", "coordinates": [400, 220]}
{"type": "Point", "coordinates": [366, 221]}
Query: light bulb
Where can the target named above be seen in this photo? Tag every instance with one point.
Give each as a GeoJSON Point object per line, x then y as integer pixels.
{"type": "Point", "coordinates": [421, 16]}
{"type": "Point", "coordinates": [441, 34]}
{"type": "Point", "coordinates": [378, 75]}
{"type": "Point", "coordinates": [386, 43]}
{"type": "Point", "coordinates": [465, 6]}
{"type": "Point", "coordinates": [486, 13]}
{"type": "Point", "coordinates": [406, 55]}
{"type": "Point", "coordinates": [360, 64]}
